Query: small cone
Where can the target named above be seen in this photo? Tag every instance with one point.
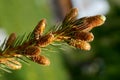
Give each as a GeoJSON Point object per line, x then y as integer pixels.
{"type": "Point", "coordinates": [41, 60]}
{"type": "Point", "coordinates": [11, 39]}
{"type": "Point", "coordinates": [38, 31]}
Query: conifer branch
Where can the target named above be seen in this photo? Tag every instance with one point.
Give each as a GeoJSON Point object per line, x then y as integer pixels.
{"type": "Point", "coordinates": [73, 31]}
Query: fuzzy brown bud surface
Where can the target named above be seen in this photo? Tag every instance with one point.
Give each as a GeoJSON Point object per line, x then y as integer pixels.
{"type": "Point", "coordinates": [32, 51]}
{"type": "Point", "coordinates": [11, 63]}
{"type": "Point", "coordinates": [11, 39]}
{"type": "Point", "coordinates": [41, 60]}
{"type": "Point", "coordinates": [71, 15]}
{"type": "Point", "coordinates": [45, 40]}
{"type": "Point", "coordinates": [88, 23]}
{"type": "Point", "coordinates": [83, 45]}
{"type": "Point", "coordinates": [85, 36]}
{"type": "Point", "coordinates": [38, 31]}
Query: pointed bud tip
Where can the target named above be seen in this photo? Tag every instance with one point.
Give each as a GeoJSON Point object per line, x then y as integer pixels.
{"type": "Point", "coordinates": [47, 63]}
{"type": "Point", "coordinates": [76, 9]}
{"type": "Point", "coordinates": [103, 17]}
{"type": "Point", "coordinates": [86, 47]}
{"type": "Point", "coordinates": [43, 22]}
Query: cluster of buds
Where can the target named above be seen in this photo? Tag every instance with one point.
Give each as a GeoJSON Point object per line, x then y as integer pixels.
{"type": "Point", "coordinates": [30, 48]}
{"type": "Point", "coordinates": [75, 32]}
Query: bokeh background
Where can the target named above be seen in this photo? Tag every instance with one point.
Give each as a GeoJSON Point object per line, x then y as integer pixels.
{"type": "Point", "coordinates": [101, 63]}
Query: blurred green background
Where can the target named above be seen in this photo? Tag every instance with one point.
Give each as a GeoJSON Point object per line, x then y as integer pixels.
{"type": "Point", "coordinates": [101, 63]}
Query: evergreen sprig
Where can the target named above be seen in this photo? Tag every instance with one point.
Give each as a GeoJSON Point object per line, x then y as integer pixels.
{"type": "Point", "coordinates": [73, 31]}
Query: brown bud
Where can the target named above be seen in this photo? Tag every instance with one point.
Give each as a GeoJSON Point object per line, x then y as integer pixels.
{"type": "Point", "coordinates": [38, 31]}
{"type": "Point", "coordinates": [41, 60]}
{"type": "Point", "coordinates": [94, 21]}
{"type": "Point", "coordinates": [45, 40]}
{"type": "Point", "coordinates": [14, 65]}
{"type": "Point", "coordinates": [88, 23]}
{"type": "Point", "coordinates": [11, 63]}
{"type": "Point", "coordinates": [32, 51]}
{"type": "Point", "coordinates": [11, 39]}
{"type": "Point", "coordinates": [85, 36]}
{"type": "Point", "coordinates": [71, 15]}
{"type": "Point", "coordinates": [83, 45]}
